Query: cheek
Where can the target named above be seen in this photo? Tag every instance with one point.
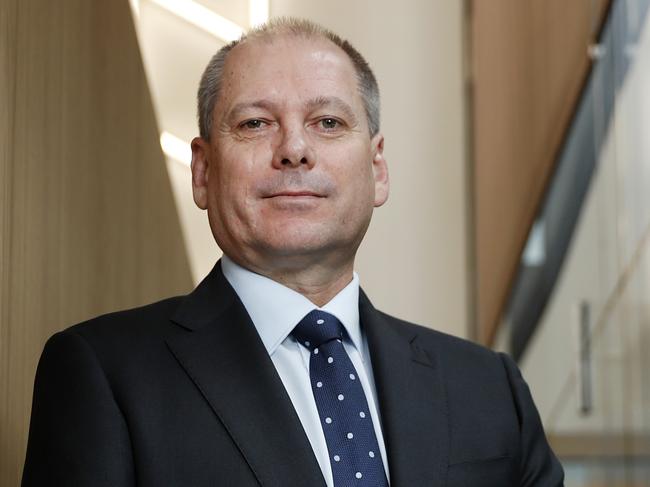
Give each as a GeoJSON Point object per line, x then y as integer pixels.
{"type": "Point", "coordinates": [232, 183]}
{"type": "Point", "coordinates": [356, 182]}
{"type": "Point", "coordinates": [229, 172]}
{"type": "Point", "coordinates": [242, 160]}
{"type": "Point", "coordinates": [357, 175]}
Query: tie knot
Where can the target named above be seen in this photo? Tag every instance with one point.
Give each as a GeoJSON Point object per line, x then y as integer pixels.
{"type": "Point", "coordinates": [316, 328]}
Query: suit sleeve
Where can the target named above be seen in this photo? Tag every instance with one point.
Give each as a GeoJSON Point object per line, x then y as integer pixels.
{"type": "Point", "coordinates": [539, 465]}
{"type": "Point", "coordinates": [78, 435]}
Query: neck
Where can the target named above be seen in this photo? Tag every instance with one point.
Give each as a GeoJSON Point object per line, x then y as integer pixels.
{"type": "Point", "coordinates": [318, 283]}
{"type": "Point", "coordinates": [318, 288]}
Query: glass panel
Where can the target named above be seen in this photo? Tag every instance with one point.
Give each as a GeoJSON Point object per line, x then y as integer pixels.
{"type": "Point", "coordinates": [588, 363]}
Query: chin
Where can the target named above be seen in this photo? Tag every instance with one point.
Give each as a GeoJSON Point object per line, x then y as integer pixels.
{"type": "Point", "coordinates": [305, 235]}
{"type": "Point", "coordinates": [298, 244]}
{"type": "Point", "coordinates": [289, 247]}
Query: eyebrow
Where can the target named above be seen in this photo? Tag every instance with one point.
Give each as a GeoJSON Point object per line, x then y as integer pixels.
{"type": "Point", "coordinates": [335, 102]}
{"type": "Point", "coordinates": [313, 104]}
{"type": "Point", "coordinates": [243, 106]}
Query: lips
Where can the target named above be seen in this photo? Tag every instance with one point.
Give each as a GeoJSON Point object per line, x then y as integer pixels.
{"type": "Point", "coordinates": [295, 194]}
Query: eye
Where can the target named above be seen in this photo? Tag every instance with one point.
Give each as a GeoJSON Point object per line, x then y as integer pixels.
{"type": "Point", "coordinates": [329, 123]}
{"type": "Point", "coordinates": [253, 124]}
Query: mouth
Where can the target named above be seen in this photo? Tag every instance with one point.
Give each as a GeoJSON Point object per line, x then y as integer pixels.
{"type": "Point", "coordinates": [295, 194]}
{"type": "Point", "coordinates": [295, 200]}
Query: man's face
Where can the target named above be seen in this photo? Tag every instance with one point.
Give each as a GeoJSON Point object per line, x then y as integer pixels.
{"type": "Point", "coordinates": [290, 175]}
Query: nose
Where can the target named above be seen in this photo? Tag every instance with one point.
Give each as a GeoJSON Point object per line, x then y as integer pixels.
{"type": "Point", "coordinates": [294, 149]}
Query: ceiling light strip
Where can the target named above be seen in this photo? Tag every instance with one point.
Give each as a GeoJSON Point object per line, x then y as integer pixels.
{"type": "Point", "coordinates": [176, 148]}
{"type": "Point", "coordinates": [258, 12]}
{"type": "Point", "coordinates": [135, 8]}
{"type": "Point", "coordinates": [203, 18]}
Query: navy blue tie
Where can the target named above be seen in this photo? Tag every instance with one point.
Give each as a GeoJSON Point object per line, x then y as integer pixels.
{"type": "Point", "coordinates": [342, 405]}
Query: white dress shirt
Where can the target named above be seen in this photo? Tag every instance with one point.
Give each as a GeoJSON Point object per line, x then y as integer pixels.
{"type": "Point", "coordinates": [275, 310]}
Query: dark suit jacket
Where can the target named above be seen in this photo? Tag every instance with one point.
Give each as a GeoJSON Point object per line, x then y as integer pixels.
{"type": "Point", "coordinates": [183, 393]}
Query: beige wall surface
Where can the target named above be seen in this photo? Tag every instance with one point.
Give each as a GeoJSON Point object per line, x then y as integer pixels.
{"type": "Point", "coordinates": [174, 53]}
{"type": "Point", "coordinates": [413, 262]}
{"type": "Point", "coordinates": [87, 215]}
{"type": "Point", "coordinates": [608, 268]}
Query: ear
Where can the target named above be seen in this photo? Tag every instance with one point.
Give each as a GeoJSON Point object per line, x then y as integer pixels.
{"type": "Point", "coordinates": [200, 170]}
{"type": "Point", "coordinates": [380, 170]}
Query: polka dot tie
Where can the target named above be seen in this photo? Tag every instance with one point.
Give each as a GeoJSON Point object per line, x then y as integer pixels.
{"type": "Point", "coordinates": [342, 406]}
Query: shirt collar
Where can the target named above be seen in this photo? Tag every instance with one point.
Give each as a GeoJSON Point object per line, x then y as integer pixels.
{"type": "Point", "coordinates": [276, 309]}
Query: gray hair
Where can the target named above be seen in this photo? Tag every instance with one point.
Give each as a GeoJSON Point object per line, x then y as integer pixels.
{"type": "Point", "coordinates": [210, 84]}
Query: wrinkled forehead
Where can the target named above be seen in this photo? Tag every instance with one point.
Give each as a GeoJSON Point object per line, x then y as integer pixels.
{"type": "Point", "coordinates": [276, 48]}
{"type": "Point", "coordinates": [288, 66]}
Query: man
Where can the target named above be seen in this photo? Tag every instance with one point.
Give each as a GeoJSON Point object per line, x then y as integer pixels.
{"type": "Point", "coordinates": [277, 370]}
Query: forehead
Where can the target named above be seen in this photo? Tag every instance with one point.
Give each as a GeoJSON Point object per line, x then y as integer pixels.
{"type": "Point", "coordinates": [286, 69]}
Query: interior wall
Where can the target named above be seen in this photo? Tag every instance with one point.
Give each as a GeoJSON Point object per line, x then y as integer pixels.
{"type": "Point", "coordinates": [87, 218]}
{"type": "Point", "coordinates": [175, 53]}
{"type": "Point", "coordinates": [529, 64]}
{"type": "Point", "coordinates": [414, 260]}
{"type": "Point", "coordinates": [608, 270]}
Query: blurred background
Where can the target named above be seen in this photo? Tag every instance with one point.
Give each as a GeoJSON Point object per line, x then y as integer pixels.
{"type": "Point", "coordinates": [518, 140]}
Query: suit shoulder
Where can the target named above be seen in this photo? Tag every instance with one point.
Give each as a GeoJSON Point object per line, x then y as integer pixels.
{"type": "Point", "coordinates": [120, 342]}
{"type": "Point", "coordinates": [148, 319]}
{"type": "Point", "coordinates": [449, 347]}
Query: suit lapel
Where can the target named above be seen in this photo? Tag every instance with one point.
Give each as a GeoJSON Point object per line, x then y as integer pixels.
{"type": "Point", "coordinates": [222, 353]}
{"type": "Point", "coordinates": [411, 400]}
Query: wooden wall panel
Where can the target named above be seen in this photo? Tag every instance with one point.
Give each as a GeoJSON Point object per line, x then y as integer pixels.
{"type": "Point", "coordinates": [88, 220]}
{"type": "Point", "coordinates": [529, 61]}
{"type": "Point", "coordinates": [9, 429]}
